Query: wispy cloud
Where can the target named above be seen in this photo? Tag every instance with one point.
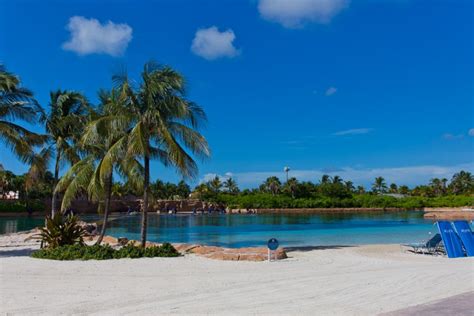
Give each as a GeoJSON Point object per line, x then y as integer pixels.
{"type": "Point", "coordinates": [296, 13]}
{"type": "Point", "coordinates": [471, 132]}
{"type": "Point", "coordinates": [89, 36]}
{"type": "Point", "coordinates": [211, 44]}
{"type": "Point", "coordinates": [209, 176]}
{"type": "Point", "coordinates": [355, 131]}
{"type": "Point", "coordinates": [408, 175]}
{"type": "Point", "coordinates": [449, 136]}
{"type": "Point", "coordinates": [330, 91]}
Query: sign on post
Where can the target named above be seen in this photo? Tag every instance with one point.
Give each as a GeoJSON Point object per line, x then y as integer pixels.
{"type": "Point", "coordinates": [272, 246]}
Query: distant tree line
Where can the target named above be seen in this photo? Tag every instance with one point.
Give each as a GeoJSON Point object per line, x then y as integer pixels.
{"type": "Point", "coordinates": [462, 183]}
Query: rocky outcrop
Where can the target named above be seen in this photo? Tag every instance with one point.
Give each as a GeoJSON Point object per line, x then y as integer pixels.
{"type": "Point", "coordinates": [453, 215]}
{"type": "Point", "coordinates": [234, 254]}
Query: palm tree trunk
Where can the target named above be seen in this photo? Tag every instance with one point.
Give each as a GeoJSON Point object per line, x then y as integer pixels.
{"type": "Point", "coordinates": [145, 199]}
{"type": "Point", "coordinates": [108, 194]}
{"type": "Point", "coordinates": [56, 178]}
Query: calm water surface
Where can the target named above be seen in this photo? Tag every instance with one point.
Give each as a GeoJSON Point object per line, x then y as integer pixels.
{"type": "Point", "coordinates": [255, 230]}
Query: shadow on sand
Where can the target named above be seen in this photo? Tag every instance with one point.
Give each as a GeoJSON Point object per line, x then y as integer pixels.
{"type": "Point", "coordinates": [311, 248]}
{"type": "Point", "coordinates": [4, 253]}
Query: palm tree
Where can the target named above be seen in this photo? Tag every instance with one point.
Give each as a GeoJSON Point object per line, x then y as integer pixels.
{"type": "Point", "coordinates": [349, 186]}
{"type": "Point", "coordinates": [163, 124]}
{"type": "Point", "coordinates": [291, 185]}
{"type": "Point", "coordinates": [379, 186]}
{"type": "Point", "coordinates": [201, 190]}
{"type": "Point", "coordinates": [215, 185]}
{"type": "Point", "coordinates": [403, 189]}
{"type": "Point", "coordinates": [17, 103]}
{"type": "Point", "coordinates": [272, 185]}
{"type": "Point", "coordinates": [336, 180]}
{"type": "Point", "coordinates": [325, 179]}
{"type": "Point", "coordinates": [231, 186]}
{"type": "Point", "coordinates": [360, 189]}
{"type": "Point", "coordinates": [437, 186]}
{"type": "Point", "coordinates": [393, 188]}
{"type": "Point", "coordinates": [105, 143]}
{"type": "Point", "coordinates": [64, 124]}
{"type": "Point", "coordinates": [462, 183]}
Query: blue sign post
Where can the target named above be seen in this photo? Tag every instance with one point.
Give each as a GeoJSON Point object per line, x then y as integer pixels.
{"type": "Point", "coordinates": [272, 246]}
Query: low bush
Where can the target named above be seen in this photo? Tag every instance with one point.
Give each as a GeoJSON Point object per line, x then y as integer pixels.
{"type": "Point", "coordinates": [104, 252]}
{"type": "Point", "coordinates": [21, 206]}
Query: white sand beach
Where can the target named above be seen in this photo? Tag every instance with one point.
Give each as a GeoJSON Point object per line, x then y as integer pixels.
{"type": "Point", "coordinates": [365, 280]}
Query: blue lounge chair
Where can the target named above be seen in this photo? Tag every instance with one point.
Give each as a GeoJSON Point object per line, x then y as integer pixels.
{"type": "Point", "coordinates": [467, 237]}
{"type": "Point", "coordinates": [429, 247]}
{"type": "Point", "coordinates": [451, 241]}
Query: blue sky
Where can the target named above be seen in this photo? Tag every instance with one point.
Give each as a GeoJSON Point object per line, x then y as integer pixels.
{"type": "Point", "coordinates": [355, 88]}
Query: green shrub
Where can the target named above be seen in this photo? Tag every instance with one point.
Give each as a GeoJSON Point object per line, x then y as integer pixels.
{"type": "Point", "coordinates": [22, 206]}
{"type": "Point", "coordinates": [61, 231]}
{"type": "Point", "coordinates": [104, 252]}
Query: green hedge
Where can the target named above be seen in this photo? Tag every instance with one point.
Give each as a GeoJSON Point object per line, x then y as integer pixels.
{"type": "Point", "coordinates": [104, 252]}
{"type": "Point", "coordinates": [22, 206]}
{"type": "Point", "coordinates": [263, 200]}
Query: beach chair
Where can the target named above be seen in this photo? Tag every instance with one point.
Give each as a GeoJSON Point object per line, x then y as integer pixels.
{"type": "Point", "coordinates": [467, 236]}
{"type": "Point", "coordinates": [452, 243]}
{"type": "Point", "coordinates": [429, 247]}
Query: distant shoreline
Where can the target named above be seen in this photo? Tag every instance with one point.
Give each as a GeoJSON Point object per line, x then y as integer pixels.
{"type": "Point", "coordinates": [447, 213]}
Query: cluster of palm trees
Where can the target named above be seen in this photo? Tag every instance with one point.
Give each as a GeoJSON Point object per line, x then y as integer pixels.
{"type": "Point", "coordinates": [216, 186]}
{"type": "Point", "coordinates": [132, 125]}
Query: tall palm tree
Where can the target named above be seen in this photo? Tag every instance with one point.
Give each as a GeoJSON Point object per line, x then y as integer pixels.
{"type": "Point", "coordinates": [64, 124]}
{"type": "Point", "coordinates": [272, 185]}
{"type": "Point", "coordinates": [379, 186]}
{"type": "Point", "coordinates": [164, 123]}
{"type": "Point", "coordinates": [105, 143]}
{"type": "Point", "coordinates": [349, 186]}
{"type": "Point", "coordinates": [291, 185]}
{"type": "Point", "coordinates": [17, 103]}
{"type": "Point", "coordinates": [393, 188]}
{"type": "Point", "coordinates": [215, 185]}
{"type": "Point", "coordinates": [462, 183]}
{"type": "Point", "coordinates": [336, 180]}
{"type": "Point", "coordinates": [325, 179]}
{"type": "Point", "coordinates": [231, 186]}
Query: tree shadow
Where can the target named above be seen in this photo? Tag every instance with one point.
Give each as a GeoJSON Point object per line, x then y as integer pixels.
{"type": "Point", "coordinates": [26, 252]}
{"type": "Point", "coordinates": [311, 248]}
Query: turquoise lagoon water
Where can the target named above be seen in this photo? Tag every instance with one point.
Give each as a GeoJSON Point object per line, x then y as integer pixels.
{"type": "Point", "coordinates": [255, 230]}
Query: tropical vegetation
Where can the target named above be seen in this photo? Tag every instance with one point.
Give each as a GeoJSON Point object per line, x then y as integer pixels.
{"type": "Point", "coordinates": [104, 252]}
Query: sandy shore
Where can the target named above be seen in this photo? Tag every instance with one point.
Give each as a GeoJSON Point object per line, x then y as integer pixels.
{"type": "Point", "coordinates": [365, 280]}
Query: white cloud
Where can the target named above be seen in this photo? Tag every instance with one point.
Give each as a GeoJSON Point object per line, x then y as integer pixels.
{"type": "Point", "coordinates": [355, 131]}
{"type": "Point", "coordinates": [296, 13]}
{"type": "Point", "coordinates": [211, 44]}
{"type": "Point", "coordinates": [410, 175]}
{"type": "Point", "coordinates": [89, 36]}
{"type": "Point", "coordinates": [471, 132]}
{"type": "Point", "coordinates": [210, 176]}
{"type": "Point", "coordinates": [449, 136]}
{"type": "Point", "coordinates": [330, 91]}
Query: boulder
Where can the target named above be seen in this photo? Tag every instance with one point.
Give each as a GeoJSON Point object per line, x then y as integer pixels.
{"type": "Point", "coordinates": [221, 255]}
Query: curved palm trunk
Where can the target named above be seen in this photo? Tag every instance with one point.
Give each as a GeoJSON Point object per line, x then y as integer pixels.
{"type": "Point", "coordinates": [56, 178]}
{"type": "Point", "coordinates": [108, 194]}
{"type": "Point", "coordinates": [146, 184]}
